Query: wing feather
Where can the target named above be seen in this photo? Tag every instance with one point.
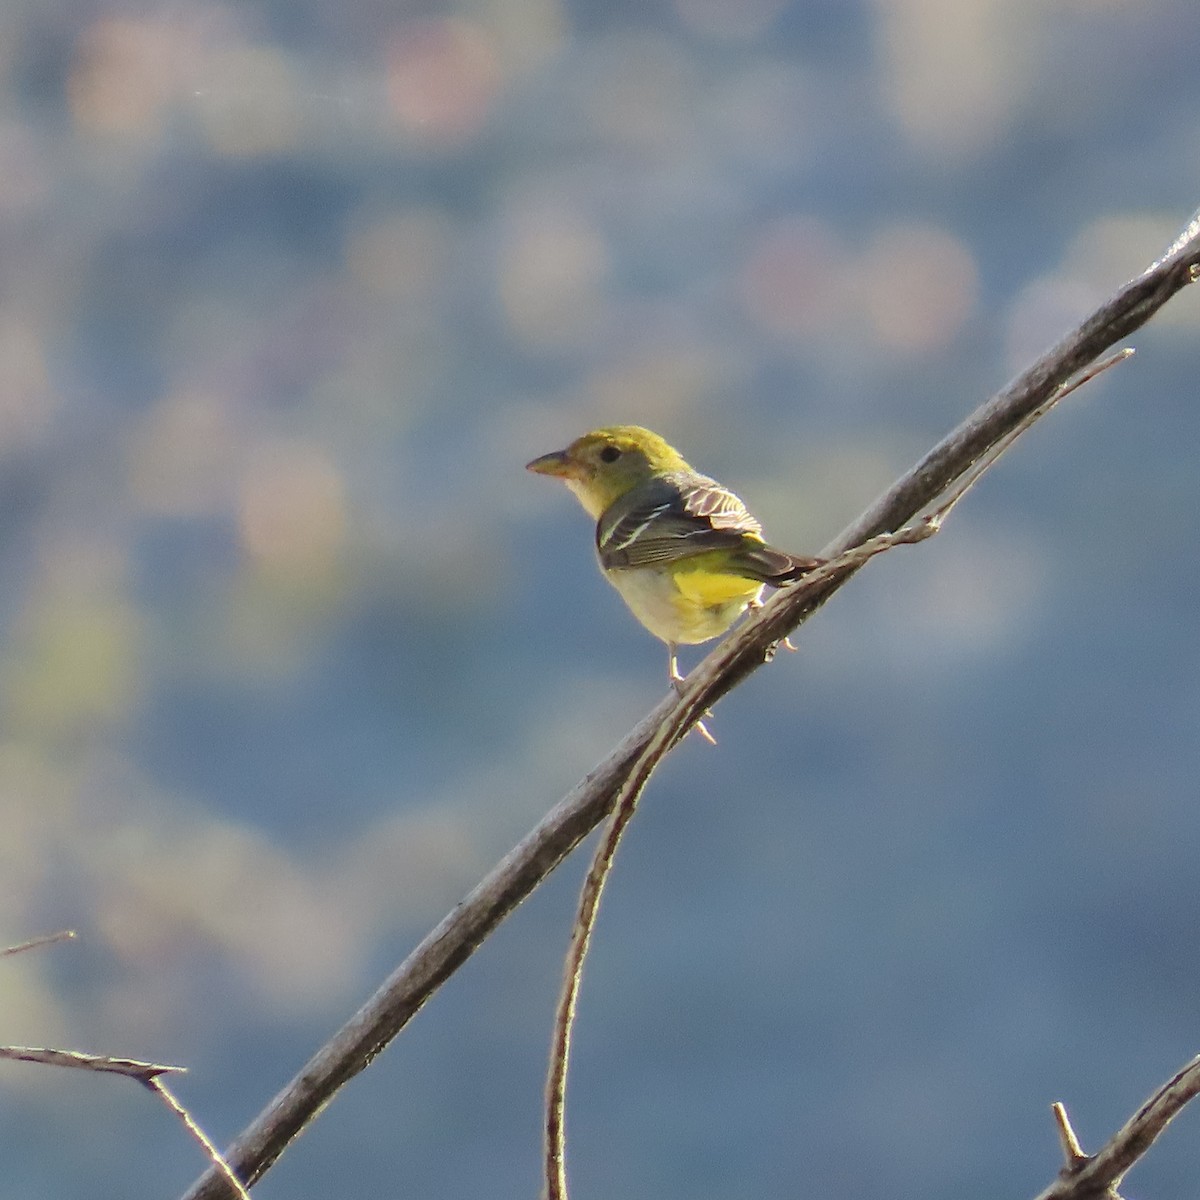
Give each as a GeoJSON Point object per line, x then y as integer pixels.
{"type": "Point", "coordinates": [673, 517]}
{"type": "Point", "coordinates": [708, 500]}
{"type": "Point", "coordinates": [676, 517]}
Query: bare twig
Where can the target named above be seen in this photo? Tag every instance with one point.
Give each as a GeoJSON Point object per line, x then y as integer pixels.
{"type": "Point", "coordinates": [581, 932]}
{"type": "Point", "coordinates": [148, 1074]}
{"type": "Point", "coordinates": [168, 1097]}
{"type": "Point", "coordinates": [143, 1072]}
{"type": "Point", "coordinates": [48, 939]}
{"type": "Point", "coordinates": [457, 936]}
{"type": "Point", "coordinates": [1097, 1176]}
{"type": "Point", "coordinates": [554, 1157]}
{"type": "Point", "coordinates": [1072, 1150]}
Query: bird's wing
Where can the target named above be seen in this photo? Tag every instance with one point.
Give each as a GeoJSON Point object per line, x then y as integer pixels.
{"type": "Point", "coordinates": [707, 500]}
{"type": "Point", "coordinates": [672, 517]}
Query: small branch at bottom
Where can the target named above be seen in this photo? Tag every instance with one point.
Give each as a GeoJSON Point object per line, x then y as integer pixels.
{"type": "Point", "coordinates": [148, 1074]}
{"type": "Point", "coordinates": [1097, 1176]}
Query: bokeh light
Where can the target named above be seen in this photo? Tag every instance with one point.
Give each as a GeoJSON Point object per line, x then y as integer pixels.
{"type": "Point", "coordinates": [442, 79]}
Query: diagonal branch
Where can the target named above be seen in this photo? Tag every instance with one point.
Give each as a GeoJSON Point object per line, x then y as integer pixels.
{"type": "Point", "coordinates": [1096, 1177]}
{"type": "Point", "coordinates": [458, 935]}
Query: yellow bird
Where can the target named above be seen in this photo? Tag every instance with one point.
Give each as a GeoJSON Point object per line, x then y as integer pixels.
{"type": "Point", "coordinates": [684, 552]}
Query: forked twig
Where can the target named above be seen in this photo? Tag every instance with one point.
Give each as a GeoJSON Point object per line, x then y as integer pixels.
{"type": "Point", "coordinates": [1097, 1176]}
{"type": "Point", "coordinates": [148, 1074]}
{"type": "Point", "coordinates": [554, 1142]}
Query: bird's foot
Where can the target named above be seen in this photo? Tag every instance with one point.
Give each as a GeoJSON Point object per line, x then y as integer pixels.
{"type": "Point", "coordinates": [786, 642]}
{"type": "Point", "coordinates": [677, 683]}
{"type": "Point", "coordinates": [699, 727]}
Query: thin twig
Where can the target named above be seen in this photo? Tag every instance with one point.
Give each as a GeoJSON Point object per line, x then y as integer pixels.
{"type": "Point", "coordinates": [1097, 1176]}
{"type": "Point", "coordinates": [169, 1098]}
{"type": "Point", "coordinates": [555, 1149]}
{"type": "Point", "coordinates": [458, 935]}
{"type": "Point", "coordinates": [585, 920]}
{"type": "Point", "coordinates": [148, 1074]}
{"type": "Point", "coordinates": [143, 1072]}
{"type": "Point", "coordinates": [48, 939]}
{"type": "Point", "coordinates": [988, 460]}
{"type": "Point", "coordinates": [1072, 1150]}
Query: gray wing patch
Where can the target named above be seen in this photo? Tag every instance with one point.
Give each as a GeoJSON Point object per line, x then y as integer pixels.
{"type": "Point", "coordinates": [668, 519]}
{"type": "Point", "coordinates": [629, 528]}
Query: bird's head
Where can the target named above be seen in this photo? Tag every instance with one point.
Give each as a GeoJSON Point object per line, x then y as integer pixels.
{"type": "Point", "coordinates": [603, 465]}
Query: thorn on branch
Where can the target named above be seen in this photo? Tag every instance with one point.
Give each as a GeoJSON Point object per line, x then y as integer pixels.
{"type": "Point", "coordinates": [1072, 1150]}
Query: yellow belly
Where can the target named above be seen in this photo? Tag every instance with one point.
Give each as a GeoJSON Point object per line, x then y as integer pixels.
{"type": "Point", "coordinates": [684, 606]}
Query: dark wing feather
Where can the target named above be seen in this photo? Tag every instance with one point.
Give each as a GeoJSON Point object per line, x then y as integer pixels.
{"type": "Point", "coordinates": [769, 565]}
{"type": "Point", "coordinates": [655, 522]}
{"type": "Point", "coordinates": [677, 516]}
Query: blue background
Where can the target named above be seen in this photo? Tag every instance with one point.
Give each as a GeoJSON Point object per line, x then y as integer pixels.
{"type": "Point", "coordinates": [292, 649]}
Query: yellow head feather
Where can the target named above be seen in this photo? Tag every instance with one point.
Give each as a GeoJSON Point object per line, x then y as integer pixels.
{"type": "Point", "coordinates": [603, 465]}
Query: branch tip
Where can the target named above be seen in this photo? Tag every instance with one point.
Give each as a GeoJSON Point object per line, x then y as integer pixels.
{"type": "Point", "coordinates": [1072, 1150]}
{"type": "Point", "coordinates": [135, 1068]}
{"type": "Point", "coordinates": [48, 939]}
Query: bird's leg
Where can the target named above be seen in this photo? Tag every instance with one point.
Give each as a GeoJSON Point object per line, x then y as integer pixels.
{"type": "Point", "coordinates": [677, 682]}
{"type": "Point", "coordinates": [673, 666]}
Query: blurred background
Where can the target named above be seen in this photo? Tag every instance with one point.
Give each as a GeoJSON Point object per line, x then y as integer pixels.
{"type": "Point", "coordinates": [292, 649]}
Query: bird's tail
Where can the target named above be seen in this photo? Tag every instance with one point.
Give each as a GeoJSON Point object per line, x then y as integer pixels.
{"type": "Point", "coordinates": [776, 567]}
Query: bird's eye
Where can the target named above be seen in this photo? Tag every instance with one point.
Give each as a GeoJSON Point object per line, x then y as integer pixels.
{"type": "Point", "coordinates": [610, 454]}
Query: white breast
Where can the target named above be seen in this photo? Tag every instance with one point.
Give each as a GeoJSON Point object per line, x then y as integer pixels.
{"type": "Point", "coordinates": [655, 600]}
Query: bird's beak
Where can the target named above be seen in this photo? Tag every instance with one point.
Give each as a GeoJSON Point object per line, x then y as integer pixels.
{"type": "Point", "coordinates": [551, 464]}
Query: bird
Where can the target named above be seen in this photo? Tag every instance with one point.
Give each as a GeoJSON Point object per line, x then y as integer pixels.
{"type": "Point", "coordinates": [684, 552]}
